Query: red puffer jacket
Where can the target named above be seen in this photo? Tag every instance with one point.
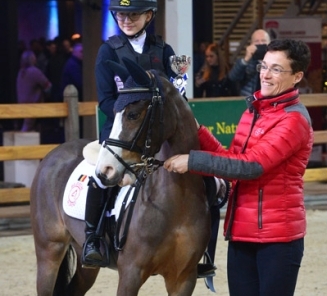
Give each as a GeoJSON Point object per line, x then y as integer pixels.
{"type": "Point", "coordinates": [266, 161]}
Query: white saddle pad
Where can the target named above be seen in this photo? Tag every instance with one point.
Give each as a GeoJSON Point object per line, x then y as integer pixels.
{"type": "Point", "coordinates": [74, 199]}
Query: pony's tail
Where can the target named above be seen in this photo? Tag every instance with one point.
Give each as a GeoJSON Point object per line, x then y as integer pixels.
{"type": "Point", "coordinates": [65, 273]}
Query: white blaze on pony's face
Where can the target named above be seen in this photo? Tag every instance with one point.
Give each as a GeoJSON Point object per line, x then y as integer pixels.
{"type": "Point", "coordinates": [109, 169]}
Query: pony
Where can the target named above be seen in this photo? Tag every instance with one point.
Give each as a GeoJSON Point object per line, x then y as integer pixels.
{"type": "Point", "coordinates": [166, 227]}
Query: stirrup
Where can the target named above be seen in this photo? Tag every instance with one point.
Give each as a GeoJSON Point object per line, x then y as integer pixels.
{"type": "Point", "coordinates": [206, 269]}
{"type": "Point", "coordinates": [89, 263]}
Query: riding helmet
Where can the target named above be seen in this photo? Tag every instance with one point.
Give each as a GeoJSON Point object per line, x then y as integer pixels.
{"type": "Point", "coordinates": [133, 5]}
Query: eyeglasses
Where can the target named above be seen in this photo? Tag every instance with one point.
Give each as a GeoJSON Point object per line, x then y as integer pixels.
{"type": "Point", "coordinates": [274, 71]}
{"type": "Point", "coordinates": [133, 16]}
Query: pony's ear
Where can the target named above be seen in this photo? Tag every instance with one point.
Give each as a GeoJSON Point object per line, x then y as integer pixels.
{"type": "Point", "coordinates": [139, 75]}
{"type": "Point", "coordinates": [119, 70]}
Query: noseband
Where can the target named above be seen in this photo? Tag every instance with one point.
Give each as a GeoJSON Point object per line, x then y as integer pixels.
{"type": "Point", "coordinates": [149, 164]}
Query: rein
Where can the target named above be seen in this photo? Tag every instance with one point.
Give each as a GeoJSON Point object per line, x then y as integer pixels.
{"type": "Point", "coordinates": [119, 242]}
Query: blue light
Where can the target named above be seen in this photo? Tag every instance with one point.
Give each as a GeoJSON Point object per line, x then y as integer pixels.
{"type": "Point", "coordinates": [109, 26]}
{"type": "Point", "coordinates": [53, 28]}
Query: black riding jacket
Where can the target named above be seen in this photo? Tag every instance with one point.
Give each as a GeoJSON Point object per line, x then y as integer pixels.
{"type": "Point", "coordinates": [155, 55]}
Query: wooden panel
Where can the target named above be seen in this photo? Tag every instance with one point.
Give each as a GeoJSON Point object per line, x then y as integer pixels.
{"type": "Point", "coordinates": [39, 110]}
{"type": "Point", "coordinates": [14, 195]}
{"type": "Point", "coordinates": [43, 110]}
{"type": "Point", "coordinates": [25, 152]}
{"type": "Point", "coordinates": [87, 108]}
{"type": "Point", "coordinates": [320, 137]}
{"type": "Point", "coordinates": [315, 175]}
{"type": "Point", "coordinates": [14, 211]}
{"type": "Point", "coordinates": [314, 100]}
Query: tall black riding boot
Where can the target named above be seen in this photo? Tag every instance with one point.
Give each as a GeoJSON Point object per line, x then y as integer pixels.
{"type": "Point", "coordinates": [93, 209]}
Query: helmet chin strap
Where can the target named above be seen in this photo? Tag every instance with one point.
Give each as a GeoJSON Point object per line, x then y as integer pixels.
{"type": "Point", "coordinates": [136, 35]}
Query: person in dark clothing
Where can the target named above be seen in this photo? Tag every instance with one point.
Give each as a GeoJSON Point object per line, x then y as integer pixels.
{"type": "Point", "coordinates": [211, 80]}
{"type": "Point", "coordinates": [52, 130]}
{"type": "Point", "coordinates": [73, 71]}
{"type": "Point", "coordinates": [150, 52]}
{"type": "Point", "coordinates": [244, 70]}
{"type": "Point", "coordinates": [73, 74]}
{"type": "Point", "coordinates": [31, 86]}
{"type": "Point", "coordinates": [54, 70]}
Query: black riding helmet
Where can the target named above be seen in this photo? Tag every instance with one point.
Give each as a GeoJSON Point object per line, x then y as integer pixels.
{"type": "Point", "coordinates": [134, 6]}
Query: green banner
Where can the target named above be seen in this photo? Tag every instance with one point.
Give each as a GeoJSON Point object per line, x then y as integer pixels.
{"type": "Point", "coordinates": [220, 116]}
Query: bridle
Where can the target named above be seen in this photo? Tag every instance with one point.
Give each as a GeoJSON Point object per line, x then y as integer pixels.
{"type": "Point", "coordinates": [148, 162]}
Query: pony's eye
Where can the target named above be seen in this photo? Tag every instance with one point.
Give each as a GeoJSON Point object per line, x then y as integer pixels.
{"type": "Point", "coordinates": [133, 115]}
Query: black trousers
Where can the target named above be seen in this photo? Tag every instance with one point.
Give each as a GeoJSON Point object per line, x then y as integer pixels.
{"type": "Point", "coordinates": [263, 269]}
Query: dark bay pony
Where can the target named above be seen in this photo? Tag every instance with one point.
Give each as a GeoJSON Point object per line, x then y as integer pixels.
{"type": "Point", "coordinates": [170, 225]}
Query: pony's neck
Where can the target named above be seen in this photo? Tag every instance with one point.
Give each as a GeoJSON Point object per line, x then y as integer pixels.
{"type": "Point", "coordinates": [185, 137]}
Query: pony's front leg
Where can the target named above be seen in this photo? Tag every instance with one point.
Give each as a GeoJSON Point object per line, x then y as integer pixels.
{"type": "Point", "coordinates": [130, 281]}
{"type": "Point", "coordinates": [49, 257]}
{"type": "Point", "coordinates": [182, 285]}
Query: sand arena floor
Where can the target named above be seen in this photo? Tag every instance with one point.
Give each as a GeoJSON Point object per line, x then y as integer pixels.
{"type": "Point", "coordinates": [18, 267]}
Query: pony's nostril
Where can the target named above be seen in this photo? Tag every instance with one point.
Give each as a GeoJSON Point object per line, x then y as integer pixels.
{"type": "Point", "coordinates": [105, 173]}
{"type": "Point", "coordinates": [109, 171]}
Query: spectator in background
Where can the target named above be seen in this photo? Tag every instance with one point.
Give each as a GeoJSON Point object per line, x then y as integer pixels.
{"type": "Point", "coordinates": [244, 70]}
{"type": "Point", "coordinates": [54, 70]}
{"type": "Point", "coordinates": [52, 130]}
{"type": "Point", "coordinates": [73, 71]}
{"type": "Point", "coordinates": [73, 74]}
{"type": "Point", "coordinates": [21, 47]}
{"type": "Point", "coordinates": [39, 51]}
{"type": "Point", "coordinates": [212, 80]}
{"type": "Point", "coordinates": [31, 85]}
{"type": "Point", "coordinates": [64, 47]}
{"type": "Point", "coordinates": [199, 56]}
{"type": "Point", "coordinates": [67, 48]}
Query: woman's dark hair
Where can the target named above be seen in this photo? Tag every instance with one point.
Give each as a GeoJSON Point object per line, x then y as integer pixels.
{"type": "Point", "coordinates": [296, 50]}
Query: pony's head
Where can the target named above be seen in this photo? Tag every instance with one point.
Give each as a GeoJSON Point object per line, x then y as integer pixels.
{"type": "Point", "coordinates": [145, 117]}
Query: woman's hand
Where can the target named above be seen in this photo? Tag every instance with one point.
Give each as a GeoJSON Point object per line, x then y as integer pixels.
{"type": "Point", "coordinates": [177, 163]}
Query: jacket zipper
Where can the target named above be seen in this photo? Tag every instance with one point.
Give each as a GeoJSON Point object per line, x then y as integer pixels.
{"type": "Point", "coordinates": [260, 209]}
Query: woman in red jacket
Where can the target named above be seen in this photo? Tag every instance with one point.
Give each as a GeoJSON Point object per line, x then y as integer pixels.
{"type": "Point", "coordinates": [265, 221]}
